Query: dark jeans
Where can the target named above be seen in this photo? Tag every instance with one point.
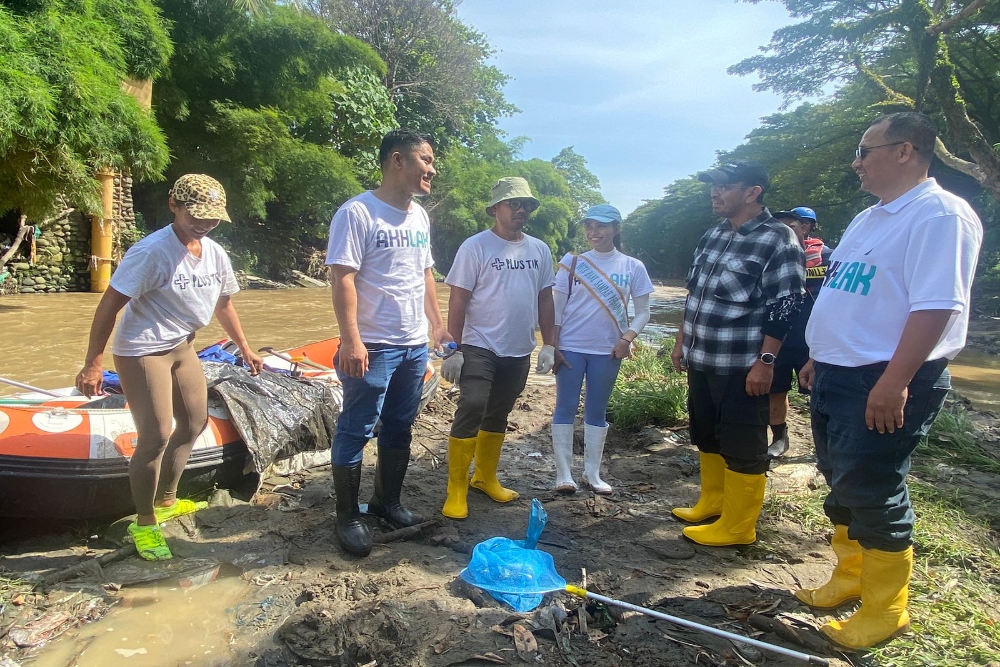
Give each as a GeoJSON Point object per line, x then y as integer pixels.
{"type": "Point", "coordinates": [488, 388]}
{"type": "Point", "coordinates": [389, 392]}
{"type": "Point", "coordinates": [866, 470]}
{"type": "Point", "coordinates": [726, 420]}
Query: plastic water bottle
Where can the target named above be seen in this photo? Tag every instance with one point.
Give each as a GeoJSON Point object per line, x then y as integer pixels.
{"type": "Point", "coordinates": [446, 350]}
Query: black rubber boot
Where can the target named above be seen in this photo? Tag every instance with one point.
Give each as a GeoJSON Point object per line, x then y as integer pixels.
{"type": "Point", "coordinates": [389, 474]}
{"type": "Point", "coordinates": [352, 532]}
{"type": "Point", "coordinates": [779, 445]}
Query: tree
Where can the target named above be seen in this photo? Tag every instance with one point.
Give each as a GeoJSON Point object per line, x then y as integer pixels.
{"type": "Point", "coordinates": [583, 184]}
{"type": "Point", "coordinates": [941, 57]}
{"type": "Point", "coordinates": [63, 114]}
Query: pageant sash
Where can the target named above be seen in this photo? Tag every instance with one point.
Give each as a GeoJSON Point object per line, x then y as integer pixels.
{"type": "Point", "coordinates": [602, 288]}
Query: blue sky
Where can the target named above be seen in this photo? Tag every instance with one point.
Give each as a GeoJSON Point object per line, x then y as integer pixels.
{"type": "Point", "coordinates": [639, 89]}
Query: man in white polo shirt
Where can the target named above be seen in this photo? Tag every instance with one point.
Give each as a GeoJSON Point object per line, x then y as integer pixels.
{"type": "Point", "coordinates": [501, 288]}
{"type": "Point", "coordinates": [893, 310]}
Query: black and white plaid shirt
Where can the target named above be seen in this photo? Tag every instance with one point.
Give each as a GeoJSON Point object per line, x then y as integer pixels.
{"type": "Point", "coordinates": [743, 284]}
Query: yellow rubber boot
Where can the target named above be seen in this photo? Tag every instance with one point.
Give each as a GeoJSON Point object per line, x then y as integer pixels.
{"type": "Point", "coordinates": [885, 580]}
{"type": "Point", "coordinates": [484, 475]}
{"type": "Point", "coordinates": [742, 498]}
{"type": "Point", "coordinates": [713, 470]}
{"type": "Point", "coordinates": [460, 453]}
{"type": "Point", "coordinates": [845, 582]}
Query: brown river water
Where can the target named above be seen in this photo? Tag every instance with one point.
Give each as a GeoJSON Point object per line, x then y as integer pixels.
{"type": "Point", "coordinates": [44, 337]}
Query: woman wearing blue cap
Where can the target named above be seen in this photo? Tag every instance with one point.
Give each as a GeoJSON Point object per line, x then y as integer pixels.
{"type": "Point", "coordinates": [593, 335]}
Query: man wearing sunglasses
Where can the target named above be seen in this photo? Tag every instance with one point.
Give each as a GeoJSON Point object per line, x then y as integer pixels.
{"type": "Point", "coordinates": [501, 288]}
{"type": "Point", "coordinates": [893, 310]}
{"type": "Point", "coordinates": [744, 291]}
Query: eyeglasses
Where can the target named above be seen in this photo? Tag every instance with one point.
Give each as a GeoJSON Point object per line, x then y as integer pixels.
{"type": "Point", "coordinates": [728, 187]}
{"type": "Point", "coordinates": [516, 205]}
{"type": "Point", "coordinates": [863, 151]}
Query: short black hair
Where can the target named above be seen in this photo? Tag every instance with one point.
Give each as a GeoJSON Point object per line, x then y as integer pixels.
{"type": "Point", "coordinates": [913, 127]}
{"type": "Point", "coordinates": [401, 140]}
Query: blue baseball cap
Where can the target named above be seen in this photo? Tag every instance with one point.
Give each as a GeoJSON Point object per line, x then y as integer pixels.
{"type": "Point", "coordinates": [803, 214]}
{"type": "Point", "coordinates": [603, 213]}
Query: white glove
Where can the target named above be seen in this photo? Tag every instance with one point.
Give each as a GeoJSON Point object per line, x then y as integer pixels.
{"type": "Point", "coordinates": [451, 368]}
{"type": "Point", "coordinates": [546, 359]}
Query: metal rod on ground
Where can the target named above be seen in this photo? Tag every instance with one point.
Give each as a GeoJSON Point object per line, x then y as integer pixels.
{"type": "Point", "coordinates": [575, 590]}
{"type": "Point", "coordinates": [285, 357]}
{"type": "Point", "coordinates": [21, 385]}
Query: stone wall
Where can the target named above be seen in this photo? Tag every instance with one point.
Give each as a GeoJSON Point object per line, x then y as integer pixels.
{"type": "Point", "coordinates": [62, 261]}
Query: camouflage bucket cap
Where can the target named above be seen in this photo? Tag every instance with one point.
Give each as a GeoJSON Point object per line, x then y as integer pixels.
{"type": "Point", "coordinates": [203, 196]}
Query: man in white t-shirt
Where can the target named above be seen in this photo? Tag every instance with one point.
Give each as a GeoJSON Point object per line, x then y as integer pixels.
{"type": "Point", "coordinates": [380, 262]}
{"type": "Point", "coordinates": [893, 310]}
{"type": "Point", "coordinates": [501, 288]}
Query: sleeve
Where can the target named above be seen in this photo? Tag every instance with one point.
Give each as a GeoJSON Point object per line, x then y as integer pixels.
{"type": "Point", "coordinates": [640, 305]}
{"type": "Point", "coordinates": [641, 284]}
{"type": "Point", "coordinates": [781, 315]}
{"type": "Point", "coordinates": [465, 269]}
{"type": "Point", "coordinates": [562, 276]}
{"type": "Point", "coordinates": [429, 257]}
{"type": "Point", "coordinates": [559, 299]}
{"type": "Point", "coordinates": [940, 263]}
{"type": "Point", "coordinates": [785, 273]}
{"type": "Point", "coordinates": [348, 231]}
{"type": "Point", "coordinates": [694, 269]}
{"type": "Point", "coordinates": [546, 275]}
{"type": "Point", "coordinates": [229, 284]}
{"type": "Point", "coordinates": [138, 272]}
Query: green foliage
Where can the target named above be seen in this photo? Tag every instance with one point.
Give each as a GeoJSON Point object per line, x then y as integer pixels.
{"type": "Point", "coordinates": [63, 114]}
{"type": "Point", "coordinates": [952, 440]}
{"type": "Point", "coordinates": [583, 184]}
{"type": "Point", "coordinates": [648, 390]}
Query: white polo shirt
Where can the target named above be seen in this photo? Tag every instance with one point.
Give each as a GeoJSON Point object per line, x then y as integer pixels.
{"type": "Point", "coordinates": [917, 252]}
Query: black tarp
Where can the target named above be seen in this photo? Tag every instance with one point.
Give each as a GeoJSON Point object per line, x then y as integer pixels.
{"type": "Point", "coordinates": [276, 415]}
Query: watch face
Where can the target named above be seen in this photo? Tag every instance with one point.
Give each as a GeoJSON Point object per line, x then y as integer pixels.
{"type": "Point", "coordinates": [767, 358]}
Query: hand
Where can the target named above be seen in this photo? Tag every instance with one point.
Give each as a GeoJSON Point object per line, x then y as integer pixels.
{"type": "Point", "coordinates": [677, 357]}
{"type": "Point", "coordinates": [559, 362]}
{"type": "Point", "coordinates": [441, 336]}
{"type": "Point", "coordinates": [759, 378]}
{"type": "Point", "coordinates": [807, 375]}
{"type": "Point", "coordinates": [622, 349]}
{"type": "Point", "coordinates": [884, 411]}
{"type": "Point", "coordinates": [546, 359]}
{"type": "Point", "coordinates": [451, 368]}
{"type": "Point", "coordinates": [253, 361]}
{"type": "Point", "coordinates": [90, 380]}
{"type": "Point", "coordinates": [353, 358]}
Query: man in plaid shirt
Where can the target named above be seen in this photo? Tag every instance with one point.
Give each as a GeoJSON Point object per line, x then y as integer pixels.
{"type": "Point", "coordinates": [744, 290]}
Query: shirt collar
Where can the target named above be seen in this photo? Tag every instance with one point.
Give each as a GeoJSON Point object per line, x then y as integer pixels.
{"type": "Point", "coordinates": [897, 204]}
{"type": "Point", "coordinates": [750, 225]}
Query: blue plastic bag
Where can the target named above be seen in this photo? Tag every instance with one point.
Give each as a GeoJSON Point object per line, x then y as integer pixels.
{"type": "Point", "coordinates": [513, 571]}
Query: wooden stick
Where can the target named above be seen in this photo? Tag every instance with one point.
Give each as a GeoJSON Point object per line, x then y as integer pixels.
{"type": "Point", "coordinates": [102, 560]}
{"type": "Point", "coordinates": [404, 533]}
{"type": "Point", "coordinates": [789, 633]}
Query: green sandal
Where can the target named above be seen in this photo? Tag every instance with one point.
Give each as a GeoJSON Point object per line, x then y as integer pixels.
{"type": "Point", "coordinates": [179, 508]}
{"type": "Point", "coordinates": [149, 542]}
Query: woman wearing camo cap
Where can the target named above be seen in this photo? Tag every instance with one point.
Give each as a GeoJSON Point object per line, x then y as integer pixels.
{"type": "Point", "coordinates": [170, 284]}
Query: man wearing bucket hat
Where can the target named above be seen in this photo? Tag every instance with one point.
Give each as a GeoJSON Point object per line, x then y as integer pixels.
{"type": "Point", "coordinates": [744, 288]}
{"type": "Point", "coordinates": [794, 352]}
{"type": "Point", "coordinates": [501, 289]}
{"type": "Point", "coordinates": [170, 284]}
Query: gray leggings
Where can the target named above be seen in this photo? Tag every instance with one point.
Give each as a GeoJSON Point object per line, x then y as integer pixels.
{"type": "Point", "coordinates": [489, 387]}
{"type": "Point", "coordinates": [161, 388]}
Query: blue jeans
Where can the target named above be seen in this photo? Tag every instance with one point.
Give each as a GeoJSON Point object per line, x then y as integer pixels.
{"type": "Point", "coordinates": [866, 470]}
{"type": "Point", "coordinates": [394, 382]}
{"type": "Point", "coordinates": [600, 371]}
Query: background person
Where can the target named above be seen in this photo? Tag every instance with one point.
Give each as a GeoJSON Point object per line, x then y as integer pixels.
{"type": "Point", "coordinates": [744, 289]}
{"type": "Point", "coordinates": [794, 352]}
{"type": "Point", "coordinates": [592, 336]}
{"type": "Point", "coordinates": [170, 283]}
{"type": "Point", "coordinates": [384, 294]}
{"type": "Point", "coordinates": [893, 311]}
{"type": "Point", "coordinates": [501, 289]}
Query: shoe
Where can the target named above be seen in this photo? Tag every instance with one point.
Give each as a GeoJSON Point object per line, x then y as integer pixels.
{"type": "Point", "coordinates": [484, 473]}
{"type": "Point", "coordinates": [180, 507]}
{"type": "Point", "coordinates": [562, 454]}
{"type": "Point", "coordinates": [352, 532]}
{"type": "Point", "coordinates": [460, 454]}
{"type": "Point", "coordinates": [885, 580]}
{"type": "Point", "coordinates": [389, 473]}
{"type": "Point", "coordinates": [845, 582]}
{"type": "Point", "coordinates": [713, 469]}
{"type": "Point", "coordinates": [593, 443]}
{"type": "Point", "coordinates": [742, 499]}
{"type": "Point", "coordinates": [149, 542]}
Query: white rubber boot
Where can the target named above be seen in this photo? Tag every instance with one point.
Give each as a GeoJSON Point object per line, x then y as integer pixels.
{"type": "Point", "coordinates": [562, 450]}
{"type": "Point", "coordinates": [593, 440]}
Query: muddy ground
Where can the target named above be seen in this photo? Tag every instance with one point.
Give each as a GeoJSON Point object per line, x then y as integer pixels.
{"type": "Point", "coordinates": [404, 605]}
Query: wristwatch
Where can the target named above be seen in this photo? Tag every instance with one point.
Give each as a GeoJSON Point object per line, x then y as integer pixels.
{"type": "Point", "coordinates": [766, 358]}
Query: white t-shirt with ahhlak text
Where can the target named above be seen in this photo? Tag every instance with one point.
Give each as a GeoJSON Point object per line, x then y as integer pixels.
{"type": "Point", "coordinates": [172, 293]}
{"type": "Point", "coordinates": [391, 250]}
{"type": "Point", "coordinates": [917, 252]}
{"type": "Point", "coordinates": [587, 326]}
{"type": "Point", "coordinates": [505, 278]}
